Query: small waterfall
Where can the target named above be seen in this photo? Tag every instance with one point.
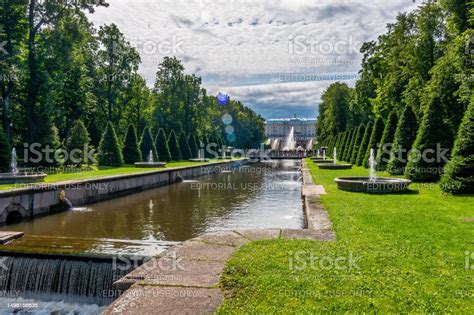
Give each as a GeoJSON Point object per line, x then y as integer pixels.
{"type": "Point", "coordinates": [86, 281]}
{"type": "Point", "coordinates": [13, 163]}
{"type": "Point", "coordinates": [372, 164]}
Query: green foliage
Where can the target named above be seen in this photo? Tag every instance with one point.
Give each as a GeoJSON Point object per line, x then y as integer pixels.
{"type": "Point", "coordinates": [405, 135]}
{"type": "Point", "coordinates": [5, 153]}
{"type": "Point", "coordinates": [459, 172]}
{"type": "Point", "coordinates": [374, 141]}
{"type": "Point", "coordinates": [184, 147]}
{"type": "Point", "coordinates": [342, 145]}
{"type": "Point", "coordinates": [147, 145]}
{"type": "Point", "coordinates": [357, 143]}
{"type": "Point", "coordinates": [173, 146]}
{"type": "Point", "coordinates": [161, 144]}
{"type": "Point", "coordinates": [383, 152]}
{"type": "Point", "coordinates": [131, 151]}
{"type": "Point", "coordinates": [424, 164]}
{"type": "Point", "coordinates": [364, 145]}
{"type": "Point", "coordinates": [109, 149]}
{"type": "Point", "coordinates": [193, 146]}
{"type": "Point", "coordinates": [348, 145]}
{"type": "Point", "coordinates": [78, 139]}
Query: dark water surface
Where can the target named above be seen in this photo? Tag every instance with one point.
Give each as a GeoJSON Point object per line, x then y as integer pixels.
{"type": "Point", "coordinates": [263, 195]}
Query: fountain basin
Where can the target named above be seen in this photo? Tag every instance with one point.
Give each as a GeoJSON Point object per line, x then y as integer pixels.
{"type": "Point", "coordinates": [150, 164]}
{"type": "Point", "coordinates": [323, 161]}
{"type": "Point", "coordinates": [379, 185]}
{"type": "Point", "coordinates": [9, 178]}
{"type": "Point", "coordinates": [199, 160]}
{"type": "Point", "coordinates": [334, 166]}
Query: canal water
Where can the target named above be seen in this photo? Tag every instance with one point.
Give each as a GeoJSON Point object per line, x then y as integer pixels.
{"type": "Point", "coordinates": [258, 195]}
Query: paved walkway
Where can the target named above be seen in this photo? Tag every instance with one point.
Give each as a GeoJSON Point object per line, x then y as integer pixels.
{"type": "Point", "coordinates": [185, 279]}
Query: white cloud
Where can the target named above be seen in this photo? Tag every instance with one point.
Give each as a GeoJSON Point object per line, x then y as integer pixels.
{"type": "Point", "coordinates": [243, 45]}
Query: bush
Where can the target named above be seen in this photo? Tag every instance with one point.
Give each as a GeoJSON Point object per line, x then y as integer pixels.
{"type": "Point", "coordinates": [383, 153]}
{"type": "Point", "coordinates": [109, 149]}
{"type": "Point", "coordinates": [131, 153]}
{"type": "Point", "coordinates": [173, 145]}
{"type": "Point", "coordinates": [459, 172]}
{"type": "Point", "coordinates": [193, 146]}
{"type": "Point", "coordinates": [434, 134]}
{"type": "Point", "coordinates": [347, 147]}
{"type": "Point", "coordinates": [364, 144]}
{"type": "Point", "coordinates": [77, 139]}
{"type": "Point", "coordinates": [357, 142]}
{"type": "Point", "coordinates": [184, 147]}
{"type": "Point", "coordinates": [146, 144]}
{"type": "Point", "coordinates": [405, 135]}
{"type": "Point", "coordinates": [374, 141]}
{"type": "Point", "coordinates": [161, 144]}
{"type": "Point", "coordinates": [5, 154]}
{"type": "Point", "coordinates": [48, 136]}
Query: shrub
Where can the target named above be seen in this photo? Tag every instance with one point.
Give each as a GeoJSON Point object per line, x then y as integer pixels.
{"type": "Point", "coordinates": [184, 147]}
{"type": "Point", "coordinates": [146, 144]}
{"type": "Point", "coordinates": [109, 149]}
{"type": "Point", "coordinates": [459, 172]}
{"type": "Point", "coordinates": [357, 142]}
{"type": "Point", "coordinates": [374, 141]}
{"type": "Point", "coordinates": [193, 146]}
{"type": "Point", "coordinates": [434, 134]}
{"type": "Point", "coordinates": [173, 145]}
{"type": "Point", "coordinates": [5, 153]}
{"type": "Point", "coordinates": [161, 144]}
{"type": "Point", "coordinates": [383, 153]}
{"type": "Point", "coordinates": [131, 153]}
{"type": "Point", "coordinates": [364, 144]}
{"type": "Point", "coordinates": [405, 135]}
{"type": "Point", "coordinates": [347, 147]}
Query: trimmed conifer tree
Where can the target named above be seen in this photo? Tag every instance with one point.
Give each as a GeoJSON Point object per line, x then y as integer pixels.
{"type": "Point", "coordinates": [374, 141]}
{"type": "Point", "coordinates": [184, 147]}
{"type": "Point", "coordinates": [336, 144]}
{"type": "Point", "coordinates": [357, 142]}
{"type": "Point", "coordinates": [364, 144]}
{"type": "Point", "coordinates": [161, 144]}
{"type": "Point", "coordinates": [5, 153]}
{"type": "Point", "coordinates": [131, 152]}
{"type": "Point", "coordinates": [193, 146]}
{"type": "Point", "coordinates": [109, 148]}
{"type": "Point", "coordinates": [76, 144]}
{"type": "Point", "coordinates": [347, 147]}
{"type": "Point", "coordinates": [147, 144]}
{"type": "Point", "coordinates": [459, 172]}
{"type": "Point", "coordinates": [433, 136]}
{"type": "Point", "coordinates": [383, 152]}
{"type": "Point", "coordinates": [340, 148]}
{"type": "Point", "coordinates": [405, 135]}
{"type": "Point", "coordinates": [173, 145]}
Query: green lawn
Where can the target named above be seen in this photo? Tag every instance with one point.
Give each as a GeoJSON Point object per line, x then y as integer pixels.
{"type": "Point", "coordinates": [98, 172]}
{"type": "Point", "coordinates": [408, 251]}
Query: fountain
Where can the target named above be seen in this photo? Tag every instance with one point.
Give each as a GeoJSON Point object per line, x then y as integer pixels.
{"type": "Point", "coordinates": [200, 157]}
{"type": "Point", "coordinates": [318, 160]}
{"type": "Point", "coordinates": [334, 165]}
{"type": "Point", "coordinates": [14, 177]}
{"type": "Point", "coordinates": [290, 143]}
{"type": "Point", "coordinates": [372, 184]}
{"type": "Point", "coordinates": [150, 163]}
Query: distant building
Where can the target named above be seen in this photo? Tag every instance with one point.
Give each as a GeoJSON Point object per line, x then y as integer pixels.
{"type": "Point", "coordinates": [291, 133]}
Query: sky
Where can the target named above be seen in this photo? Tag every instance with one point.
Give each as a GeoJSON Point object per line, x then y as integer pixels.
{"type": "Point", "coordinates": [275, 56]}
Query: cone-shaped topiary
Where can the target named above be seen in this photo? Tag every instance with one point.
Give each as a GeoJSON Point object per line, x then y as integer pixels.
{"type": "Point", "coordinates": [405, 135]}
{"type": "Point", "coordinates": [336, 144]}
{"type": "Point", "coordinates": [424, 164]}
{"type": "Point", "coordinates": [374, 141]}
{"type": "Point", "coordinates": [131, 153]}
{"type": "Point", "coordinates": [342, 143]}
{"type": "Point", "coordinates": [5, 153]}
{"type": "Point", "coordinates": [161, 144]}
{"type": "Point", "coordinates": [347, 147]}
{"type": "Point", "coordinates": [175, 151]}
{"type": "Point", "coordinates": [147, 144]}
{"type": "Point", "coordinates": [77, 144]}
{"type": "Point", "coordinates": [193, 146]}
{"type": "Point", "coordinates": [184, 147]}
{"type": "Point", "coordinates": [383, 153]}
{"type": "Point", "coordinates": [459, 172]}
{"type": "Point", "coordinates": [364, 144]}
{"type": "Point", "coordinates": [109, 149]}
{"type": "Point", "coordinates": [357, 142]}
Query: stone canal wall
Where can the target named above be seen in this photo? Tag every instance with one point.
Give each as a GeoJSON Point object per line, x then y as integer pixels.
{"type": "Point", "coordinates": [36, 199]}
